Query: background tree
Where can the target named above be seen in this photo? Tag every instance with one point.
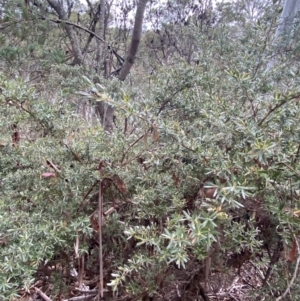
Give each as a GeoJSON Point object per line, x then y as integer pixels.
{"type": "Point", "coordinates": [290, 10]}
{"type": "Point", "coordinates": [287, 25]}
{"type": "Point", "coordinates": [135, 40]}
{"type": "Point", "coordinates": [58, 7]}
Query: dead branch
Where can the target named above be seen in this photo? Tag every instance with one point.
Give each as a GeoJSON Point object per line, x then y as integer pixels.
{"type": "Point", "coordinates": [100, 222]}
{"type": "Point", "coordinates": [81, 298]}
{"type": "Point", "coordinates": [294, 275]}
{"type": "Point", "coordinates": [41, 294]}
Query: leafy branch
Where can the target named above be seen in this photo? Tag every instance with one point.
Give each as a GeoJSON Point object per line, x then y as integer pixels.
{"type": "Point", "coordinates": [279, 105]}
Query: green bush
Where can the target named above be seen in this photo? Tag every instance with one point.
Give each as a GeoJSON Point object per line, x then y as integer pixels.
{"type": "Point", "coordinates": [203, 163]}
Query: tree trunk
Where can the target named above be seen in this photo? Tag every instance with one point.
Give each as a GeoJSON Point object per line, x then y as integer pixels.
{"type": "Point", "coordinates": [101, 47]}
{"type": "Point", "coordinates": [62, 14]}
{"type": "Point", "coordinates": [290, 10]}
{"type": "Point", "coordinates": [106, 113]}
{"type": "Point", "coordinates": [135, 41]}
{"type": "Point", "coordinates": [104, 110]}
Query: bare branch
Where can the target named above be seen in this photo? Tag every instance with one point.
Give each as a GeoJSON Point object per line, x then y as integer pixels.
{"type": "Point", "coordinates": [100, 222]}
{"type": "Point", "coordinates": [294, 275]}
{"type": "Point", "coordinates": [41, 294]}
{"type": "Point", "coordinates": [63, 15]}
{"type": "Point", "coordinates": [279, 105]}
{"type": "Point", "coordinates": [109, 47]}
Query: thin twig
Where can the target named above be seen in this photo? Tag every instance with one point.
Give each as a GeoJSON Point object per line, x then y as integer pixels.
{"type": "Point", "coordinates": [59, 21]}
{"type": "Point", "coordinates": [85, 199]}
{"type": "Point", "coordinates": [291, 169]}
{"type": "Point", "coordinates": [277, 107]}
{"type": "Point", "coordinates": [14, 103]}
{"type": "Point", "coordinates": [295, 273]}
{"type": "Point", "coordinates": [233, 297]}
{"type": "Point", "coordinates": [87, 292]}
{"type": "Point", "coordinates": [297, 154]}
{"type": "Point", "coordinates": [41, 294]}
{"type": "Point", "coordinates": [100, 216]}
{"type": "Point", "coordinates": [274, 259]}
{"type": "Point", "coordinates": [170, 98]}
{"type": "Point", "coordinates": [131, 145]}
{"type": "Point", "coordinates": [260, 273]}
{"type": "Point", "coordinates": [137, 156]}
{"type": "Point", "coordinates": [76, 157]}
{"type": "Point", "coordinates": [81, 298]}
{"type": "Point", "coordinates": [125, 126]}
{"type": "Point", "coordinates": [14, 23]}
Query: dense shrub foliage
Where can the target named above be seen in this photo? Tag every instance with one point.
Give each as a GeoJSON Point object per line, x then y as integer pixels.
{"type": "Point", "coordinates": [200, 176]}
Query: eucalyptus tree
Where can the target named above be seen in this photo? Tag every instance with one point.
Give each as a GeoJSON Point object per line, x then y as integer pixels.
{"type": "Point", "coordinates": [83, 37]}
{"type": "Point", "coordinates": [287, 33]}
{"type": "Point", "coordinates": [289, 12]}
{"type": "Point", "coordinates": [172, 26]}
{"type": "Point", "coordinates": [135, 40]}
{"type": "Point", "coordinates": [63, 15]}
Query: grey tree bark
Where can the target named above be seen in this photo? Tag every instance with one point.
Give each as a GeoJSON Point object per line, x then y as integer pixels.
{"type": "Point", "coordinates": [63, 15]}
{"type": "Point", "coordinates": [290, 10]}
{"type": "Point", "coordinates": [135, 40]}
{"type": "Point", "coordinates": [101, 32]}
{"type": "Point", "coordinates": [104, 110]}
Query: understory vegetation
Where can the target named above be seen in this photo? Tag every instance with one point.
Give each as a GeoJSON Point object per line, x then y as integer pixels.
{"type": "Point", "coordinates": [196, 179]}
